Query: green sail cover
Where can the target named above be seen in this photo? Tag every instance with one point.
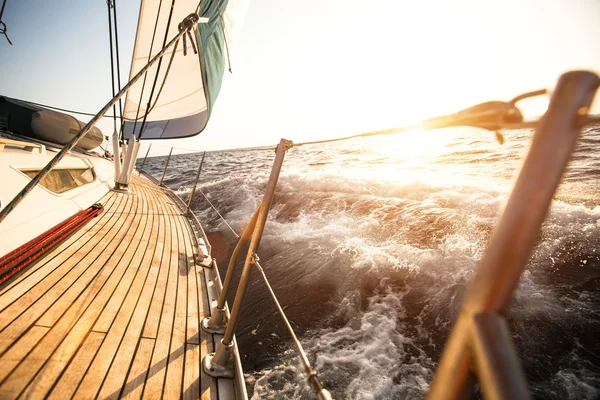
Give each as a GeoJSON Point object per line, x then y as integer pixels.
{"type": "Point", "coordinates": [212, 48]}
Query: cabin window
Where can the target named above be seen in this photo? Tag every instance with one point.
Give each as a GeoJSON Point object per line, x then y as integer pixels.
{"type": "Point", "coordinates": [64, 179]}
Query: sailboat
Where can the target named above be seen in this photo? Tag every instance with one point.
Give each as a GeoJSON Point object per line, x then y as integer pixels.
{"type": "Point", "coordinates": [109, 287]}
{"type": "Point", "coordinates": [105, 279]}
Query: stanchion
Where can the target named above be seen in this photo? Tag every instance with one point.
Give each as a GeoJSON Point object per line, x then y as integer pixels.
{"type": "Point", "coordinates": [195, 183]}
{"type": "Point", "coordinates": [146, 156]}
{"type": "Point", "coordinates": [219, 364]}
{"type": "Point", "coordinates": [166, 165]}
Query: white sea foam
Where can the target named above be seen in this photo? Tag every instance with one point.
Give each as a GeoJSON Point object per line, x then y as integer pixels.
{"type": "Point", "coordinates": [377, 360]}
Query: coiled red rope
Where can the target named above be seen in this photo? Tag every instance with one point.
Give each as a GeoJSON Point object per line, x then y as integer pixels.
{"type": "Point", "coordinates": [22, 256]}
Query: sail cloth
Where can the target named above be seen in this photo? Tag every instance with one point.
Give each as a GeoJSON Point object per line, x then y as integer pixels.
{"type": "Point", "coordinates": [192, 85]}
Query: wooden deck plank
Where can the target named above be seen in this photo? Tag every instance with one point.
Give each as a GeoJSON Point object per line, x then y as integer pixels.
{"type": "Point", "coordinates": [160, 357]}
{"type": "Point", "coordinates": [60, 288]}
{"type": "Point", "coordinates": [208, 385]}
{"type": "Point", "coordinates": [174, 380]}
{"type": "Point", "coordinates": [71, 378]}
{"type": "Point", "coordinates": [90, 291]}
{"type": "Point", "coordinates": [58, 308]}
{"type": "Point", "coordinates": [139, 370]}
{"type": "Point", "coordinates": [13, 357]}
{"type": "Point", "coordinates": [193, 315]}
{"type": "Point", "coordinates": [152, 306]}
{"type": "Point", "coordinates": [153, 319]}
{"type": "Point", "coordinates": [191, 381]}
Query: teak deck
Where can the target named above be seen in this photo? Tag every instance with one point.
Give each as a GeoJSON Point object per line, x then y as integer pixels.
{"type": "Point", "coordinates": [113, 311]}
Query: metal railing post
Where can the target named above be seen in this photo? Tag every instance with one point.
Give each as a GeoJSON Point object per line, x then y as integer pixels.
{"type": "Point", "coordinates": [195, 183]}
{"type": "Point", "coordinates": [146, 156]}
{"type": "Point", "coordinates": [219, 364]}
{"type": "Point", "coordinates": [218, 319]}
{"type": "Point", "coordinates": [166, 165]}
{"type": "Point", "coordinates": [514, 237]}
{"type": "Point", "coordinates": [496, 359]}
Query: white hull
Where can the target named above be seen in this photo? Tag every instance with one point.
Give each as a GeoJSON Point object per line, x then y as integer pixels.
{"type": "Point", "coordinates": [43, 209]}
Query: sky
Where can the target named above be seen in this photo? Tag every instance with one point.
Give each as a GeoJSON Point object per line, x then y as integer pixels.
{"type": "Point", "coordinates": [315, 69]}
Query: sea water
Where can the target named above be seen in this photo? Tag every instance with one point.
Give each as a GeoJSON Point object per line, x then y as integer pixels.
{"type": "Point", "coordinates": [370, 244]}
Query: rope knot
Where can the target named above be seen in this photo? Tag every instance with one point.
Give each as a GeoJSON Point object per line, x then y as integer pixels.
{"type": "Point", "coordinates": [188, 22]}
{"type": "Point", "coordinates": [186, 26]}
{"type": "Point", "coordinates": [3, 32]}
{"type": "Point", "coordinates": [287, 144]}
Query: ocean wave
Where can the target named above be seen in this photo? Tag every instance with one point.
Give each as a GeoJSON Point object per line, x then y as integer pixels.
{"type": "Point", "coordinates": [372, 258]}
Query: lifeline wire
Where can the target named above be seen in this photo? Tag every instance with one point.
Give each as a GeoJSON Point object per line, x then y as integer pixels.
{"type": "Point", "coordinates": [218, 213]}
{"type": "Point", "coordinates": [312, 374]}
{"type": "Point", "coordinates": [65, 109]}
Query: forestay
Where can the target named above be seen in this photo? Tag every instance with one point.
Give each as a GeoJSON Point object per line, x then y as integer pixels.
{"type": "Point", "coordinates": [187, 93]}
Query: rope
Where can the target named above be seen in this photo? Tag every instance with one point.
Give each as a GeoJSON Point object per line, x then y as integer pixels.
{"type": "Point", "coordinates": [2, 9]}
{"type": "Point", "coordinates": [226, 44]}
{"type": "Point", "coordinates": [587, 120]}
{"type": "Point", "coordinates": [109, 5]}
{"type": "Point", "coordinates": [192, 42]}
{"type": "Point", "coordinates": [2, 24]}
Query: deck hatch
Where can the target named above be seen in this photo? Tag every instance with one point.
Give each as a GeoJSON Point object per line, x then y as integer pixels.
{"type": "Point", "coordinates": [63, 179]}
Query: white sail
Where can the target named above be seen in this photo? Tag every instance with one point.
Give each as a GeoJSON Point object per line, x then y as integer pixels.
{"type": "Point", "coordinates": [186, 94]}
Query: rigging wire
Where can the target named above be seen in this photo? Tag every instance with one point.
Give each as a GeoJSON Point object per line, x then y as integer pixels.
{"type": "Point", "coordinates": [158, 69]}
{"type": "Point", "coordinates": [2, 24]}
{"type": "Point", "coordinates": [109, 5]}
{"type": "Point", "coordinates": [226, 44]}
{"type": "Point", "coordinates": [163, 83]}
{"type": "Point", "coordinates": [63, 109]}
{"type": "Point", "coordinates": [2, 8]}
{"type": "Point", "coordinates": [118, 64]}
{"type": "Point", "coordinates": [137, 114]}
